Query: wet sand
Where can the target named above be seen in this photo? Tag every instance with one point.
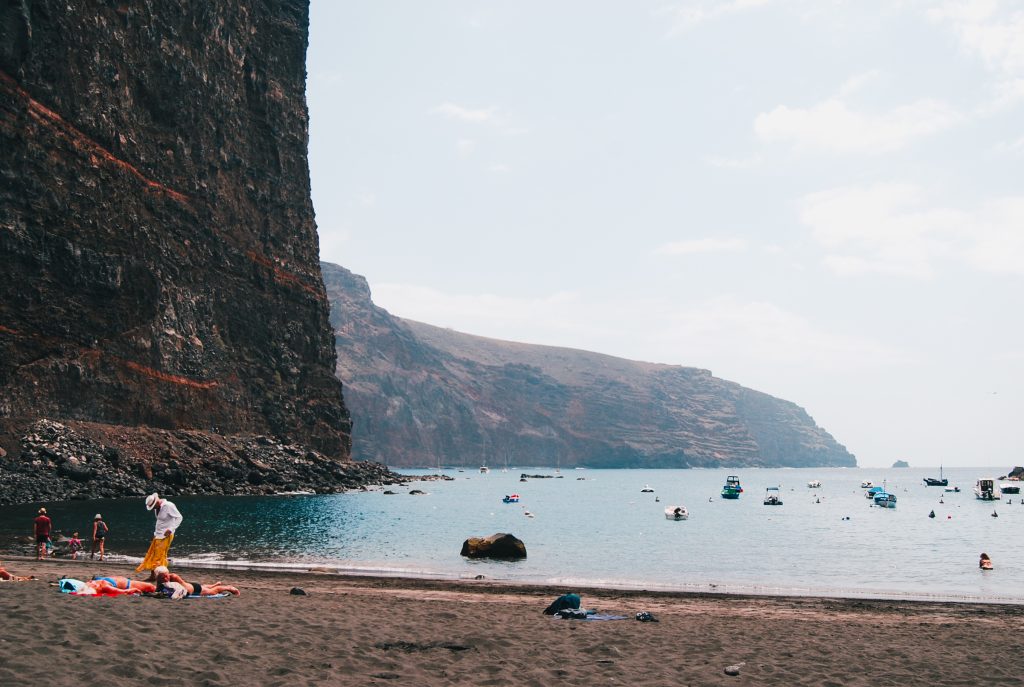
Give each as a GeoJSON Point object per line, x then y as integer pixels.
{"type": "Point", "coordinates": [393, 631]}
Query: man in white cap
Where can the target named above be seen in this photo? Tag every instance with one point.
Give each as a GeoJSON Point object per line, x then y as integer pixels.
{"type": "Point", "coordinates": [168, 519]}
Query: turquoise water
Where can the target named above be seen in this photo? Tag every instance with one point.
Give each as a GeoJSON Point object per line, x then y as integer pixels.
{"type": "Point", "coordinates": [595, 527]}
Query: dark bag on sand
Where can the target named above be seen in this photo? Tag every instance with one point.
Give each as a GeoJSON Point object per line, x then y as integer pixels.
{"type": "Point", "coordinates": [564, 601]}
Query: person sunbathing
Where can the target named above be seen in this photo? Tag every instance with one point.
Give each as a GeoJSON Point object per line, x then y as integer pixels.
{"type": "Point", "coordinates": [163, 576]}
{"type": "Point", "coordinates": [93, 588]}
{"type": "Point", "coordinates": [9, 577]}
{"type": "Point", "coordinates": [126, 583]}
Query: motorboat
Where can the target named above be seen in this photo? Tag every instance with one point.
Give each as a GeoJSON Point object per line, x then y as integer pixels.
{"type": "Point", "coordinates": [985, 489]}
{"type": "Point", "coordinates": [814, 484]}
{"type": "Point", "coordinates": [866, 484]}
{"type": "Point", "coordinates": [954, 490]}
{"type": "Point", "coordinates": [874, 491]}
{"type": "Point", "coordinates": [647, 489]}
{"type": "Point", "coordinates": [884, 499]}
{"type": "Point", "coordinates": [940, 482]}
{"type": "Point", "coordinates": [732, 488]}
{"type": "Point", "coordinates": [676, 513]}
{"type": "Point", "coordinates": [1008, 488]}
{"type": "Point", "coordinates": [511, 498]}
{"type": "Point", "coordinates": [772, 497]}
{"type": "Point", "coordinates": [484, 469]}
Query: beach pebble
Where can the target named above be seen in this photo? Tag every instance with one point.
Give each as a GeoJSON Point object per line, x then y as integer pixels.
{"type": "Point", "coordinates": [298, 591]}
{"type": "Point", "coordinates": [732, 670]}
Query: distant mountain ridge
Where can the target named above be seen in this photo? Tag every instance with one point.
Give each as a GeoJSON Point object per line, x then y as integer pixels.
{"type": "Point", "coordinates": [422, 395]}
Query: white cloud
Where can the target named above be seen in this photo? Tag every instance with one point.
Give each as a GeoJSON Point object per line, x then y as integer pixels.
{"type": "Point", "coordinates": [997, 237]}
{"type": "Point", "coordinates": [831, 126]}
{"type": "Point", "coordinates": [895, 229]}
{"type": "Point", "coordinates": [694, 246]}
{"type": "Point", "coordinates": [691, 13]}
{"type": "Point", "coordinates": [464, 114]}
{"type": "Point", "coordinates": [987, 29]}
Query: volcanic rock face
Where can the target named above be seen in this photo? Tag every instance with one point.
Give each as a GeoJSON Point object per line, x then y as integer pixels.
{"type": "Point", "coordinates": [423, 396]}
{"type": "Point", "coordinates": [156, 232]}
{"type": "Point", "coordinates": [87, 460]}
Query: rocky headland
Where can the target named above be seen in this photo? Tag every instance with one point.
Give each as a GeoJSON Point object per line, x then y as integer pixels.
{"type": "Point", "coordinates": [427, 396]}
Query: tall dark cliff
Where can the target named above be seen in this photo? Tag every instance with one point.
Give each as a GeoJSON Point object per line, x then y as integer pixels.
{"type": "Point", "coordinates": [157, 236]}
{"type": "Point", "coordinates": [421, 395]}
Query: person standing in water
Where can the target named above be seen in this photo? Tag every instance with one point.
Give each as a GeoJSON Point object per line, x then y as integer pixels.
{"type": "Point", "coordinates": [99, 535]}
{"type": "Point", "coordinates": [41, 530]}
{"type": "Point", "coordinates": [168, 519]}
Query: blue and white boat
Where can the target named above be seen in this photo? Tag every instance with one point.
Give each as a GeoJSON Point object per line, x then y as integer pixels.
{"type": "Point", "coordinates": [874, 491]}
{"type": "Point", "coordinates": [884, 499]}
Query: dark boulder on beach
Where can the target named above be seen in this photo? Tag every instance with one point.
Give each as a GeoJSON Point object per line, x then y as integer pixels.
{"type": "Point", "coordinates": [499, 546]}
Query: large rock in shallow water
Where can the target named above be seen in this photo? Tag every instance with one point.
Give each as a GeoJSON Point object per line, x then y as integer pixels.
{"type": "Point", "coordinates": [501, 545]}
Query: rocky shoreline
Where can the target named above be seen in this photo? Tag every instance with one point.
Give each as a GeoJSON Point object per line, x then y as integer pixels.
{"type": "Point", "coordinates": [59, 461]}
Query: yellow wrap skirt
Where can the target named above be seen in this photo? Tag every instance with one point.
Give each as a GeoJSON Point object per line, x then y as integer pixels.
{"type": "Point", "coordinates": [157, 554]}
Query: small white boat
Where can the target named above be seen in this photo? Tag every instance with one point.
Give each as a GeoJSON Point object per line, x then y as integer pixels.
{"type": "Point", "coordinates": [985, 489]}
{"type": "Point", "coordinates": [866, 484]}
{"type": "Point", "coordinates": [676, 513]}
{"type": "Point", "coordinates": [814, 484]}
{"type": "Point", "coordinates": [1007, 488]}
{"type": "Point", "coordinates": [484, 469]}
{"type": "Point", "coordinates": [647, 489]}
{"type": "Point", "coordinates": [772, 497]}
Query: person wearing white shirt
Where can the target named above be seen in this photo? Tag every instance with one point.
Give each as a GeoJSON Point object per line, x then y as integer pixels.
{"type": "Point", "coordinates": [168, 519]}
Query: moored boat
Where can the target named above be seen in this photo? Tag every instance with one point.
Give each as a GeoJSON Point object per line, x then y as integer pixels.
{"type": "Point", "coordinates": [874, 491]}
{"type": "Point", "coordinates": [940, 482]}
{"type": "Point", "coordinates": [511, 498]}
{"type": "Point", "coordinates": [484, 469]}
{"type": "Point", "coordinates": [772, 497]}
{"type": "Point", "coordinates": [676, 513]}
{"type": "Point", "coordinates": [1008, 488]}
{"type": "Point", "coordinates": [732, 488]}
{"type": "Point", "coordinates": [885, 500]}
{"type": "Point", "coordinates": [647, 489]}
{"type": "Point", "coordinates": [985, 489]}
{"type": "Point", "coordinates": [866, 484]}
{"type": "Point", "coordinates": [814, 484]}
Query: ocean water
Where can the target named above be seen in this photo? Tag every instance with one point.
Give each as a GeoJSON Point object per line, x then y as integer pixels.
{"type": "Point", "coordinates": [596, 527]}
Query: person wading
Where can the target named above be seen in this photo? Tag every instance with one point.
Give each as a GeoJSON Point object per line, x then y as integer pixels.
{"type": "Point", "coordinates": [168, 519]}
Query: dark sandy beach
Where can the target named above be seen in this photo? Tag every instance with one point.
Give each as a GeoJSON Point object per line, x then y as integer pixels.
{"type": "Point", "coordinates": [387, 631]}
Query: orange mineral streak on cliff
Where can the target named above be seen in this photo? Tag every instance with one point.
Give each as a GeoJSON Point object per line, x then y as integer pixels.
{"type": "Point", "coordinates": [280, 275]}
{"type": "Point", "coordinates": [96, 153]}
{"type": "Point", "coordinates": [165, 377]}
{"type": "Point", "coordinates": [94, 355]}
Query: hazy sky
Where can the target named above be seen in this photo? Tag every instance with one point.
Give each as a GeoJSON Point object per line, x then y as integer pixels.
{"type": "Point", "coordinates": [821, 200]}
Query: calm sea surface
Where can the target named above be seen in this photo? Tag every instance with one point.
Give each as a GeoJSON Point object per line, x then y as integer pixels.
{"type": "Point", "coordinates": [595, 527]}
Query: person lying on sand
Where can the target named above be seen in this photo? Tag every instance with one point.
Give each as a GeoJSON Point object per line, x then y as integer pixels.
{"type": "Point", "coordinates": [163, 576]}
{"type": "Point", "coordinates": [125, 583]}
{"type": "Point", "coordinates": [8, 577]}
{"type": "Point", "coordinates": [93, 588]}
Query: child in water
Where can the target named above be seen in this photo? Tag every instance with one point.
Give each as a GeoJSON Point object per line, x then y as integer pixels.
{"type": "Point", "coordinates": [75, 545]}
{"type": "Point", "coordinates": [985, 563]}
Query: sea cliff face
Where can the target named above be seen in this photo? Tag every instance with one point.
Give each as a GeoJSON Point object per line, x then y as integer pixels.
{"type": "Point", "coordinates": [157, 236]}
{"type": "Point", "coordinates": [423, 396]}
